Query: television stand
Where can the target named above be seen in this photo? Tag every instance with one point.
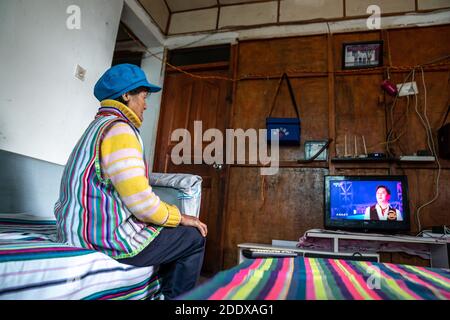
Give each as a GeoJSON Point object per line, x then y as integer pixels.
{"type": "Point", "coordinates": [437, 247]}
{"type": "Point", "coordinates": [282, 249]}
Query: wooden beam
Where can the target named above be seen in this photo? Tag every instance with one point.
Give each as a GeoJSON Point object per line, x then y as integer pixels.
{"type": "Point", "coordinates": [278, 11]}
{"type": "Point", "coordinates": [218, 14]}
{"type": "Point", "coordinates": [168, 20]}
{"type": "Point", "coordinates": [331, 103]}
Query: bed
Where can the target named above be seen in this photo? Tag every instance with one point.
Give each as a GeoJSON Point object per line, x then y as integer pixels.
{"type": "Point", "coordinates": [33, 266]}
{"type": "Point", "coordinates": [323, 279]}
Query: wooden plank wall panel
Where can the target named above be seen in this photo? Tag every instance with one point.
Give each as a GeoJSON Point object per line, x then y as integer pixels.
{"type": "Point", "coordinates": [281, 206]}
{"type": "Point", "coordinates": [422, 188]}
{"type": "Point", "coordinates": [275, 56]}
{"type": "Point", "coordinates": [414, 46]}
{"type": "Point", "coordinates": [291, 202]}
{"type": "Point", "coordinates": [359, 113]}
{"type": "Point", "coordinates": [258, 218]}
{"type": "Point", "coordinates": [313, 109]}
{"type": "Point", "coordinates": [405, 118]}
{"type": "Point", "coordinates": [254, 99]}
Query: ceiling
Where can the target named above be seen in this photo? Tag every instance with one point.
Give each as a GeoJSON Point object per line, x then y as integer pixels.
{"type": "Point", "coordinates": [184, 5]}
{"type": "Point", "coordinates": [175, 17]}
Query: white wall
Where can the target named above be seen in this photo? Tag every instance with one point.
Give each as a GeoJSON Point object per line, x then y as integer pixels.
{"type": "Point", "coordinates": [44, 108]}
{"type": "Point", "coordinates": [154, 70]}
{"type": "Point", "coordinates": [143, 27]}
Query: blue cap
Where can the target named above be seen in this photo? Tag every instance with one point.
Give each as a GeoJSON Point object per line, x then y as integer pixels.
{"type": "Point", "coordinates": [121, 79]}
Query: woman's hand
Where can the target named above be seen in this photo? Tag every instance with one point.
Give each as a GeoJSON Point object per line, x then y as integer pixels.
{"type": "Point", "coordinates": [194, 222]}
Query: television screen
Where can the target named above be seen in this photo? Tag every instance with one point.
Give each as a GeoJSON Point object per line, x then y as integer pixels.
{"type": "Point", "coordinates": [367, 203]}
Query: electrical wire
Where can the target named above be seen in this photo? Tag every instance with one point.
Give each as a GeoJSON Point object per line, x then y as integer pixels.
{"type": "Point", "coordinates": [431, 146]}
{"type": "Point", "coordinates": [170, 65]}
{"type": "Point", "coordinates": [390, 135]}
{"type": "Point", "coordinates": [430, 64]}
{"type": "Point", "coordinates": [390, 139]}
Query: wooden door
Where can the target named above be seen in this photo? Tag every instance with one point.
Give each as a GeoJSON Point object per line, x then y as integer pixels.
{"type": "Point", "coordinates": [185, 100]}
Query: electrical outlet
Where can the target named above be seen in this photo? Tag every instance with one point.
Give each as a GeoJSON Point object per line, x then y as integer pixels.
{"type": "Point", "coordinates": [80, 73]}
{"type": "Point", "coordinates": [407, 89]}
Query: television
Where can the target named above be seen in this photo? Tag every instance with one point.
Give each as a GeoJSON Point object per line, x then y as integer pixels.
{"type": "Point", "coordinates": [367, 203]}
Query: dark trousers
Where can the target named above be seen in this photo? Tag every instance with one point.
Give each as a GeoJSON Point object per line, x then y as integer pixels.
{"type": "Point", "coordinates": [179, 254]}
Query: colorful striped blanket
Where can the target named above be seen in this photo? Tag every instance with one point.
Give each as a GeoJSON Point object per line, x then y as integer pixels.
{"type": "Point", "coordinates": [34, 267]}
{"type": "Point", "coordinates": [324, 279]}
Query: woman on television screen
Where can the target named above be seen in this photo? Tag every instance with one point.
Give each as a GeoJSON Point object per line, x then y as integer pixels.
{"type": "Point", "coordinates": [382, 210]}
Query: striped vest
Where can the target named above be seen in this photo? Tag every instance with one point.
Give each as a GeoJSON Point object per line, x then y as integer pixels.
{"type": "Point", "coordinates": [89, 212]}
{"type": "Point", "coordinates": [374, 213]}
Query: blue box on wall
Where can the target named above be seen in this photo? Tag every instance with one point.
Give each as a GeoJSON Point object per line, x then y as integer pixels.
{"type": "Point", "coordinates": [287, 129]}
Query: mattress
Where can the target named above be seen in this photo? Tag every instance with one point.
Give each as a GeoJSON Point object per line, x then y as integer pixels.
{"type": "Point", "coordinates": [33, 266]}
{"type": "Point", "coordinates": [324, 279]}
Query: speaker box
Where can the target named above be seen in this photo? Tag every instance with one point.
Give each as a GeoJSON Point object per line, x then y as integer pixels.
{"type": "Point", "coordinates": [354, 257]}
{"type": "Point", "coordinates": [444, 141]}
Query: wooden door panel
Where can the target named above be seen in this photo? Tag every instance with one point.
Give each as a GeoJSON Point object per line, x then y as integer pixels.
{"type": "Point", "coordinates": [177, 97]}
{"type": "Point", "coordinates": [211, 93]}
{"type": "Point", "coordinates": [185, 100]}
{"type": "Point", "coordinates": [179, 104]}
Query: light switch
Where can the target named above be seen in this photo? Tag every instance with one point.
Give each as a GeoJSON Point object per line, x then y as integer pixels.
{"type": "Point", "coordinates": [80, 73]}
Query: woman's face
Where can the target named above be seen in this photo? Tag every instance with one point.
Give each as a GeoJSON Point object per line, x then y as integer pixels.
{"type": "Point", "coordinates": [137, 103]}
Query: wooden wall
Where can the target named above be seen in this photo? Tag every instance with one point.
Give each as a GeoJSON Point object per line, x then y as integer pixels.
{"type": "Point", "coordinates": [333, 104]}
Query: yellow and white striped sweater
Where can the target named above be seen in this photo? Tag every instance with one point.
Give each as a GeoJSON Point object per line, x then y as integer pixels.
{"type": "Point", "coordinates": [122, 162]}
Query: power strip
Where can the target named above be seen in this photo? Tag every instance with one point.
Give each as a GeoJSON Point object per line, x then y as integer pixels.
{"type": "Point", "coordinates": [435, 235]}
{"type": "Point", "coordinates": [417, 158]}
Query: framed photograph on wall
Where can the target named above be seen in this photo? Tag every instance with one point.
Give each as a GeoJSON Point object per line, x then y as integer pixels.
{"type": "Point", "coordinates": [359, 55]}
